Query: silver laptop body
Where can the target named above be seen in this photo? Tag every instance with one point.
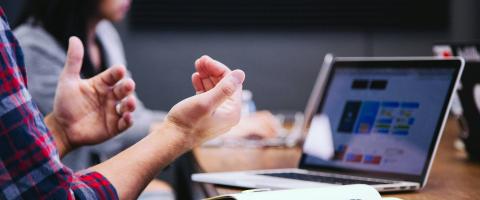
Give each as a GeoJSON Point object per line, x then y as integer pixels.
{"type": "Point", "coordinates": [386, 115]}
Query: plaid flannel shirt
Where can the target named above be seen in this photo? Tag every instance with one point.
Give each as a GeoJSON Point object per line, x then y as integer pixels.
{"type": "Point", "coordinates": [30, 166]}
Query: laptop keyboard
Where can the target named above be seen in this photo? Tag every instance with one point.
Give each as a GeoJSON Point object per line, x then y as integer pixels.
{"type": "Point", "coordinates": [323, 179]}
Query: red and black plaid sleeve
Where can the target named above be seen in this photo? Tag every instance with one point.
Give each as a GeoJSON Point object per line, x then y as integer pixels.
{"type": "Point", "coordinates": [30, 166]}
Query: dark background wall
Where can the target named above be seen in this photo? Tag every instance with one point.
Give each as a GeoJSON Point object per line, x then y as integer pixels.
{"type": "Point", "coordinates": [281, 64]}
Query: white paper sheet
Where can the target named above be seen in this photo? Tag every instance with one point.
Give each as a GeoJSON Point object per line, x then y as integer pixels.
{"type": "Point", "coordinates": [349, 192]}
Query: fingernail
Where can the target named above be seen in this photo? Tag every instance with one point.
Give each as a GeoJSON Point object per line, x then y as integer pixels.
{"type": "Point", "coordinates": [71, 39]}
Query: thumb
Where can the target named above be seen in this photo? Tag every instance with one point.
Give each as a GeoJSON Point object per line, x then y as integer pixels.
{"type": "Point", "coordinates": [73, 64]}
{"type": "Point", "coordinates": [225, 88]}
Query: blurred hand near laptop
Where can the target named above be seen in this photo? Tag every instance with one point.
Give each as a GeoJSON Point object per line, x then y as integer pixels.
{"type": "Point", "coordinates": [255, 126]}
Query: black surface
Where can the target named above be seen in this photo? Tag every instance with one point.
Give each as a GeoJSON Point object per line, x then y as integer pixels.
{"type": "Point", "coordinates": [471, 113]}
{"type": "Point", "coordinates": [425, 14]}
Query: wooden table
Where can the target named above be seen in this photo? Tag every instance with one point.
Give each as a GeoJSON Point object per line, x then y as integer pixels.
{"type": "Point", "coordinates": [452, 176]}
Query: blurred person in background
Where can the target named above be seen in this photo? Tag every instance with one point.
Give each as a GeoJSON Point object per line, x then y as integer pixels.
{"type": "Point", "coordinates": [43, 31]}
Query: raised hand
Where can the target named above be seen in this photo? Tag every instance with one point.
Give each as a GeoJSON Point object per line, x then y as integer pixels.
{"type": "Point", "coordinates": [259, 125]}
{"type": "Point", "coordinates": [93, 110]}
{"type": "Point", "coordinates": [216, 107]}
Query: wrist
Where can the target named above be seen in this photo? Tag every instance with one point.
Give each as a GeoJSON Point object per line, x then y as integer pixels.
{"type": "Point", "coordinates": [59, 135]}
{"type": "Point", "coordinates": [178, 134]}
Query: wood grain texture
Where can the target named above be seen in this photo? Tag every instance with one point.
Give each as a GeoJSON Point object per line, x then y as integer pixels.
{"type": "Point", "coordinates": [452, 175]}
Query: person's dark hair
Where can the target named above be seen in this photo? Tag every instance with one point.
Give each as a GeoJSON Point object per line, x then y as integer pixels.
{"type": "Point", "coordinates": [63, 19]}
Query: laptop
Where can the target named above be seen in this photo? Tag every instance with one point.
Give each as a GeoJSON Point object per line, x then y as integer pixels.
{"type": "Point", "coordinates": [385, 117]}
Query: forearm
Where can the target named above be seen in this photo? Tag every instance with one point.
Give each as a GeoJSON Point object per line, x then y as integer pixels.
{"type": "Point", "coordinates": [131, 170]}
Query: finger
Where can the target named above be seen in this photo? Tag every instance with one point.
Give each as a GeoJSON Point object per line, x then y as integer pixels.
{"type": "Point", "coordinates": [125, 122]}
{"type": "Point", "coordinates": [197, 83]}
{"type": "Point", "coordinates": [207, 67]}
{"type": "Point", "coordinates": [110, 77]}
{"type": "Point", "coordinates": [199, 66]}
{"type": "Point", "coordinates": [207, 84]}
{"type": "Point", "coordinates": [123, 89]}
{"type": "Point", "coordinates": [215, 80]}
{"type": "Point", "coordinates": [210, 71]}
{"type": "Point", "coordinates": [225, 89]}
{"type": "Point", "coordinates": [127, 105]}
{"type": "Point", "coordinates": [73, 63]}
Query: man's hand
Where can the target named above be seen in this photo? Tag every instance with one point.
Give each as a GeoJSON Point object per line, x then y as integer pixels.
{"type": "Point", "coordinates": [215, 108]}
{"type": "Point", "coordinates": [89, 111]}
{"type": "Point", "coordinates": [259, 125]}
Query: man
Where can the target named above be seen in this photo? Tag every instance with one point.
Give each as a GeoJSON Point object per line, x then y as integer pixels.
{"type": "Point", "coordinates": [92, 111]}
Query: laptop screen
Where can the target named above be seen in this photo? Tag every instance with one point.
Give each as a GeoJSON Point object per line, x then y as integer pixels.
{"type": "Point", "coordinates": [384, 116]}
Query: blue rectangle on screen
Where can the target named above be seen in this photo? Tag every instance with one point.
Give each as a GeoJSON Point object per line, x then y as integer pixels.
{"type": "Point", "coordinates": [410, 105]}
{"type": "Point", "coordinates": [390, 104]}
{"type": "Point", "coordinates": [385, 121]}
{"type": "Point", "coordinates": [400, 132]}
{"type": "Point", "coordinates": [411, 121]}
{"type": "Point", "coordinates": [367, 116]}
{"type": "Point", "coordinates": [384, 131]}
